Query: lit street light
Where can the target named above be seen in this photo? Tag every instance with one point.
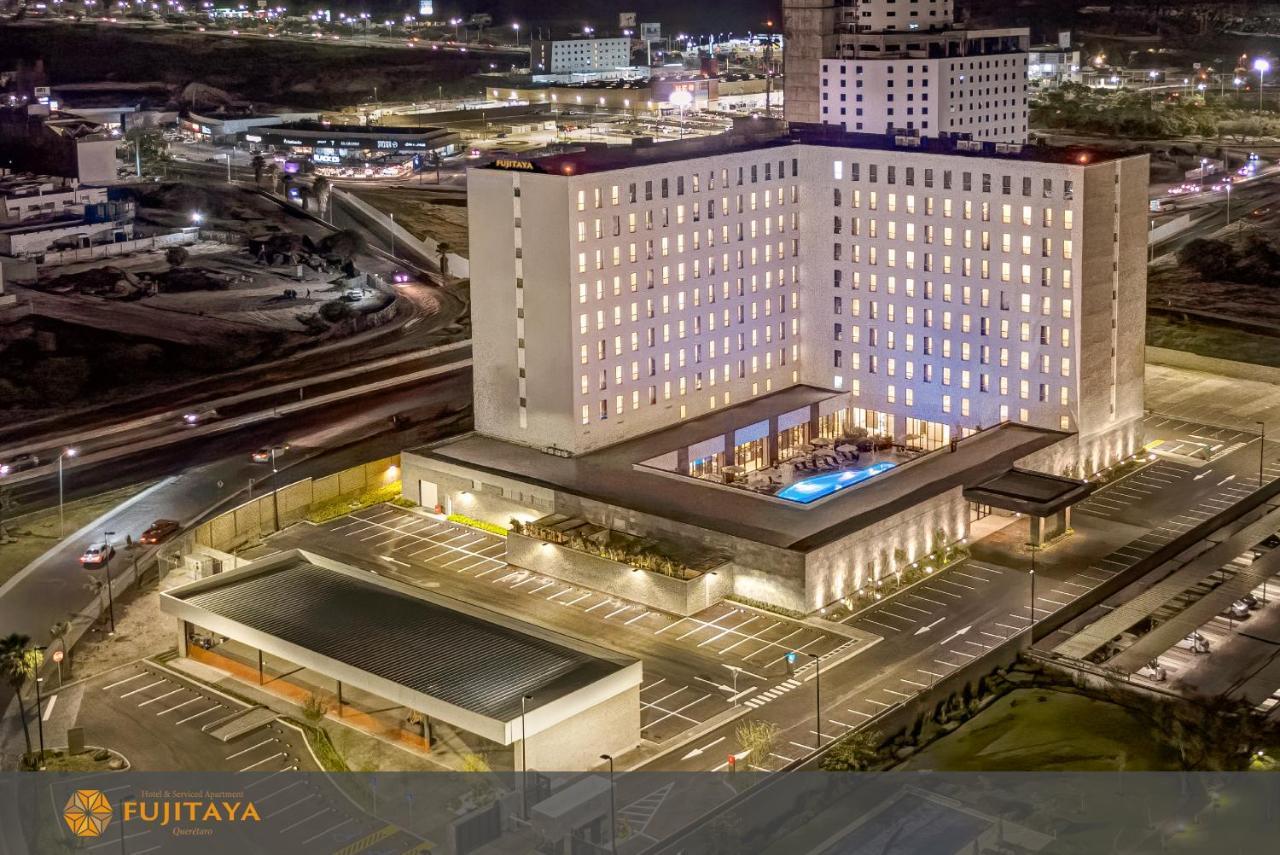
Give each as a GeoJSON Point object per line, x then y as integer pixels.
{"type": "Point", "coordinates": [817, 688]}
{"type": "Point", "coordinates": [66, 452]}
{"type": "Point", "coordinates": [613, 809]}
{"type": "Point", "coordinates": [524, 757]}
{"type": "Point", "coordinates": [106, 564]}
{"type": "Point", "coordinates": [1262, 66]}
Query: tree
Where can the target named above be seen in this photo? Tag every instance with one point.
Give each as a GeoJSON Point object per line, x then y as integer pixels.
{"type": "Point", "coordinates": [443, 249]}
{"type": "Point", "coordinates": [18, 665]}
{"type": "Point", "coordinates": [474, 763]}
{"type": "Point", "coordinates": [321, 188]}
{"type": "Point", "coordinates": [259, 164]}
{"type": "Point", "coordinates": [343, 245]}
{"type": "Point", "coordinates": [314, 708]}
{"type": "Point", "coordinates": [176, 256]}
{"type": "Point", "coordinates": [757, 738]}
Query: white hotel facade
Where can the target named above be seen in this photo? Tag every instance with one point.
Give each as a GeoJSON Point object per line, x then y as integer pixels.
{"type": "Point", "coordinates": [942, 289]}
{"type": "Point", "coordinates": [660, 332]}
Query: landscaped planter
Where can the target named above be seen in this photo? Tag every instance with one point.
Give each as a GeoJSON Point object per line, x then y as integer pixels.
{"type": "Point", "coordinates": [681, 596]}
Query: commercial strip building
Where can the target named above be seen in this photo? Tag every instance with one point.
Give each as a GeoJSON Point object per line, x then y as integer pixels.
{"type": "Point", "coordinates": [355, 150]}
{"type": "Point", "coordinates": [228, 130]}
{"type": "Point", "coordinates": [41, 213]}
{"type": "Point", "coordinates": [633, 96]}
{"type": "Point", "coordinates": [785, 364]}
{"type": "Point", "coordinates": [874, 66]}
{"type": "Point", "coordinates": [500, 686]}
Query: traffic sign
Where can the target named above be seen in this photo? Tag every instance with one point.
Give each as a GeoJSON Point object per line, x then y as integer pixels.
{"type": "Point", "coordinates": [57, 655]}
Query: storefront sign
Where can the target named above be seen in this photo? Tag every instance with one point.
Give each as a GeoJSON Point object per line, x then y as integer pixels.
{"type": "Point", "coordinates": [516, 165]}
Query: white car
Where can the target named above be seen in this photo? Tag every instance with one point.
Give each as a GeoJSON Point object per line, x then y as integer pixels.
{"type": "Point", "coordinates": [97, 554]}
{"type": "Point", "coordinates": [199, 417]}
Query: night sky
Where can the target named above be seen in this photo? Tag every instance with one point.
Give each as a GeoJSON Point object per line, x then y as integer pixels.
{"type": "Point", "coordinates": [718, 15]}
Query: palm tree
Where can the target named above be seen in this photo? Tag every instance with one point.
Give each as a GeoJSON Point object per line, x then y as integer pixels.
{"type": "Point", "coordinates": [321, 187]}
{"type": "Point", "coordinates": [18, 665]}
{"type": "Point", "coordinates": [444, 248]}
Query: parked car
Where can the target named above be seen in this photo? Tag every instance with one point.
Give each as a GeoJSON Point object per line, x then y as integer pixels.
{"type": "Point", "coordinates": [1195, 642]}
{"type": "Point", "coordinates": [97, 554]}
{"type": "Point", "coordinates": [1153, 670]}
{"type": "Point", "coordinates": [159, 530]}
{"type": "Point", "coordinates": [1250, 600]}
{"type": "Point", "coordinates": [18, 463]}
{"type": "Point", "coordinates": [1239, 610]}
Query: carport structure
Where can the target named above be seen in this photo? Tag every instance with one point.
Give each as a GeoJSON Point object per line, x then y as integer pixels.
{"type": "Point", "coordinates": [477, 671]}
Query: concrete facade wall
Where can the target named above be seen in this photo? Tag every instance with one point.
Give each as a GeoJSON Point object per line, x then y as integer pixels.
{"type": "Point", "coordinates": [679, 596]}
{"type": "Point", "coordinates": [838, 569]}
{"type": "Point", "coordinates": [810, 35]}
{"type": "Point", "coordinates": [610, 727]}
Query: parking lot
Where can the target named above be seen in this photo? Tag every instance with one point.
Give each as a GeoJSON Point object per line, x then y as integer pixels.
{"type": "Point", "coordinates": [695, 667]}
{"type": "Point", "coordinates": [160, 721]}
{"type": "Point", "coordinates": [1114, 498]}
{"type": "Point", "coordinates": [1182, 438]}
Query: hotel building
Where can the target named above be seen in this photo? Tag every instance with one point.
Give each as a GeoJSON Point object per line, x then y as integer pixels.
{"type": "Point", "coordinates": [882, 65]}
{"type": "Point", "coordinates": [656, 329]}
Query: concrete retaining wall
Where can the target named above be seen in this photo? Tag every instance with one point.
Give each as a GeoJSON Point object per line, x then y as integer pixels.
{"type": "Point", "coordinates": [424, 247]}
{"type": "Point", "coordinates": [680, 596]}
{"type": "Point", "coordinates": [1212, 365]}
{"type": "Point", "coordinates": [256, 518]}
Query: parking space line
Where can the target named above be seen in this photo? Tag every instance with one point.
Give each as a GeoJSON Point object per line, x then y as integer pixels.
{"type": "Point", "coordinates": [199, 714]}
{"type": "Point", "coordinates": [330, 830]}
{"type": "Point", "coordinates": [308, 797]}
{"type": "Point", "coordinates": [196, 699]}
{"type": "Point", "coordinates": [144, 688]}
{"type": "Point", "coordinates": [126, 680]}
{"type": "Point", "coordinates": [275, 756]}
{"type": "Point", "coordinates": [267, 741]}
{"type": "Point", "coordinates": [307, 819]}
{"type": "Point", "coordinates": [162, 697]}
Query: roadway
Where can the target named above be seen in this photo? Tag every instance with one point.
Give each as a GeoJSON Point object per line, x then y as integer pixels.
{"type": "Point", "coordinates": [217, 470]}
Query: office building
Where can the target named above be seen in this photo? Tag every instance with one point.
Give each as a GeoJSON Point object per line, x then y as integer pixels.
{"type": "Point", "coordinates": [580, 56]}
{"type": "Point", "coordinates": [657, 330]}
{"type": "Point", "coordinates": [878, 66]}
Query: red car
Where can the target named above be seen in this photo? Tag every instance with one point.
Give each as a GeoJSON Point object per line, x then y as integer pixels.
{"type": "Point", "coordinates": [160, 530]}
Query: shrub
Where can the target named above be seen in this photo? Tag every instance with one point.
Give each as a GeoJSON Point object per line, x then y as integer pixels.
{"type": "Point", "coordinates": [492, 528]}
{"type": "Point", "coordinates": [334, 508]}
{"type": "Point", "coordinates": [314, 708]}
{"type": "Point", "coordinates": [335, 311]}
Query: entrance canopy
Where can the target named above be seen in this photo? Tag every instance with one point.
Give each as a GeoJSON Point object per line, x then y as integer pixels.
{"type": "Point", "coordinates": [1025, 492]}
{"type": "Point", "coordinates": [437, 656]}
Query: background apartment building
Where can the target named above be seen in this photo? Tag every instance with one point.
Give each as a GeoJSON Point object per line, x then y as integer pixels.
{"type": "Point", "coordinates": [879, 66]}
{"type": "Point", "coordinates": [588, 56]}
{"type": "Point", "coordinates": [943, 286]}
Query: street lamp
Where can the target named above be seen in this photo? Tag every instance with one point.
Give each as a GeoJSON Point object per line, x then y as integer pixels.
{"type": "Point", "coordinates": [39, 705]}
{"type": "Point", "coordinates": [1262, 66]}
{"type": "Point", "coordinates": [197, 217]}
{"type": "Point", "coordinates": [681, 99]}
{"type": "Point", "coordinates": [275, 490]}
{"type": "Point", "coordinates": [524, 757]}
{"type": "Point", "coordinates": [1033, 583]}
{"type": "Point", "coordinates": [516, 27]}
{"type": "Point", "coordinates": [111, 600]}
{"type": "Point", "coordinates": [66, 452]}
{"type": "Point", "coordinates": [613, 809]}
{"type": "Point", "coordinates": [817, 689]}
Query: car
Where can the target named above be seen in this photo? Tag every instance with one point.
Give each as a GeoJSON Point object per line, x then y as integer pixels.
{"type": "Point", "coordinates": [400, 277]}
{"type": "Point", "coordinates": [1250, 600]}
{"type": "Point", "coordinates": [1195, 642]}
{"type": "Point", "coordinates": [199, 417]}
{"type": "Point", "coordinates": [1238, 609]}
{"type": "Point", "coordinates": [18, 463]}
{"type": "Point", "coordinates": [263, 455]}
{"type": "Point", "coordinates": [1154, 671]}
{"type": "Point", "coordinates": [353, 295]}
{"type": "Point", "coordinates": [159, 530]}
{"type": "Point", "coordinates": [97, 554]}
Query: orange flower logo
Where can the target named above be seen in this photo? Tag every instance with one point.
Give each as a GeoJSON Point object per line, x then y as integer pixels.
{"type": "Point", "coordinates": [87, 813]}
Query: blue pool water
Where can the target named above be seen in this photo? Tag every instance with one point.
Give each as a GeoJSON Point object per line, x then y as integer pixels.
{"type": "Point", "coordinates": [820, 486]}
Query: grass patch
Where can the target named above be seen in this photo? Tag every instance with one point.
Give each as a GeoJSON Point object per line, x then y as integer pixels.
{"type": "Point", "coordinates": [1040, 730]}
{"type": "Point", "coordinates": [322, 746]}
{"type": "Point", "coordinates": [334, 508]}
{"type": "Point", "coordinates": [37, 532]}
{"type": "Point", "coordinates": [1213, 341]}
{"type": "Point", "coordinates": [492, 528]}
{"type": "Point", "coordinates": [93, 760]}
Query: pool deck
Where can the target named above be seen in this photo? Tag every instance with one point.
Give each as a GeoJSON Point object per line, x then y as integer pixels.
{"type": "Point", "coordinates": [612, 475]}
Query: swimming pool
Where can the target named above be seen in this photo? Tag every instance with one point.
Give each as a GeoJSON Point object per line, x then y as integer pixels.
{"type": "Point", "coordinates": [821, 486]}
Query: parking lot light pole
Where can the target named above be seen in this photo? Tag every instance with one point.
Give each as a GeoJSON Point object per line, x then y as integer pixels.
{"type": "Point", "coordinates": [39, 706]}
{"type": "Point", "coordinates": [66, 452]}
{"type": "Point", "coordinates": [817, 692]}
{"type": "Point", "coordinates": [613, 808]}
{"type": "Point", "coordinates": [275, 491]}
{"type": "Point", "coordinates": [1033, 584]}
{"type": "Point", "coordinates": [1262, 446]}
